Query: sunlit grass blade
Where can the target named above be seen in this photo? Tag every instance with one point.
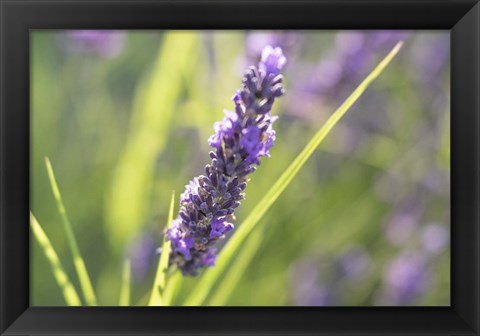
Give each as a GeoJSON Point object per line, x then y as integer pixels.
{"type": "Point", "coordinates": [124, 299]}
{"type": "Point", "coordinates": [172, 288]}
{"type": "Point", "coordinates": [234, 273]}
{"type": "Point", "coordinates": [211, 276]}
{"type": "Point", "coordinates": [83, 277]}
{"type": "Point", "coordinates": [156, 101]}
{"type": "Point", "coordinates": [161, 275]}
{"type": "Point", "coordinates": [68, 290]}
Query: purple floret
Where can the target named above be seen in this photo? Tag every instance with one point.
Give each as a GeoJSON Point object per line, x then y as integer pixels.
{"type": "Point", "coordinates": [273, 60]}
{"type": "Point", "coordinates": [244, 135]}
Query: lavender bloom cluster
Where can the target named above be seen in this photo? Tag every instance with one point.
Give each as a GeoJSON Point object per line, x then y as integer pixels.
{"type": "Point", "coordinates": [244, 135]}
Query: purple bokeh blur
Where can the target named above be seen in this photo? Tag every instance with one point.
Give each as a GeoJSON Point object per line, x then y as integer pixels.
{"type": "Point", "coordinates": [142, 252]}
{"type": "Point", "coordinates": [405, 279]}
{"type": "Point", "coordinates": [104, 43]}
{"type": "Point", "coordinates": [411, 186]}
{"type": "Point", "coordinates": [308, 290]}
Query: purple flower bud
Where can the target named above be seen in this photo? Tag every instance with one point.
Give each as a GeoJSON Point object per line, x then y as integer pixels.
{"type": "Point", "coordinates": [272, 60]}
{"type": "Point", "coordinates": [190, 189]}
{"type": "Point", "coordinates": [251, 143]}
{"type": "Point", "coordinates": [240, 139]}
{"type": "Point", "coordinates": [209, 258]}
{"type": "Point", "coordinates": [181, 241]}
{"type": "Point", "coordinates": [219, 227]}
{"type": "Point", "coordinates": [225, 128]}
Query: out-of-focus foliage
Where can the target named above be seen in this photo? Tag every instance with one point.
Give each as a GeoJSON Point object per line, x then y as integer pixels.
{"type": "Point", "coordinates": [125, 119]}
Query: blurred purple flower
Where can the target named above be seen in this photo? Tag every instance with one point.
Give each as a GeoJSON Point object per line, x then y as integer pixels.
{"type": "Point", "coordinates": [435, 238]}
{"type": "Point", "coordinates": [207, 206]}
{"type": "Point", "coordinates": [353, 56]}
{"type": "Point", "coordinates": [142, 253]}
{"type": "Point", "coordinates": [404, 221]}
{"type": "Point", "coordinates": [272, 61]}
{"type": "Point", "coordinates": [354, 263]}
{"type": "Point", "coordinates": [401, 227]}
{"type": "Point", "coordinates": [105, 43]}
{"type": "Point", "coordinates": [406, 278]}
{"type": "Point", "coordinates": [431, 54]}
{"type": "Point", "coordinates": [256, 40]}
{"type": "Point", "coordinates": [436, 182]}
{"type": "Point", "coordinates": [307, 289]}
{"type": "Point", "coordinates": [315, 296]}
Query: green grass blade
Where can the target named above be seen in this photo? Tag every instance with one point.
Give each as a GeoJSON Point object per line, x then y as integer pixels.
{"type": "Point", "coordinates": [124, 299]}
{"type": "Point", "coordinates": [68, 290]}
{"type": "Point", "coordinates": [161, 275]}
{"type": "Point", "coordinates": [210, 276]}
{"type": "Point", "coordinates": [172, 288]}
{"type": "Point", "coordinates": [83, 277]}
{"type": "Point", "coordinates": [156, 101]}
{"type": "Point", "coordinates": [234, 274]}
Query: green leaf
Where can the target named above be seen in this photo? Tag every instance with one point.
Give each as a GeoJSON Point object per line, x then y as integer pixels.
{"type": "Point", "coordinates": [172, 288]}
{"type": "Point", "coordinates": [83, 277]}
{"type": "Point", "coordinates": [236, 270]}
{"type": "Point", "coordinates": [211, 276]}
{"type": "Point", "coordinates": [68, 290]}
{"type": "Point", "coordinates": [154, 107]}
{"type": "Point", "coordinates": [124, 299]}
{"type": "Point", "coordinates": [160, 277]}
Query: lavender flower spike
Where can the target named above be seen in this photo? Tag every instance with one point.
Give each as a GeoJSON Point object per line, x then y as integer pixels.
{"type": "Point", "coordinates": [207, 206]}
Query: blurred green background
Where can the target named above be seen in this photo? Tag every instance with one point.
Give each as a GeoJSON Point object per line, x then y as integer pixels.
{"type": "Point", "coordinates": [125, 116]}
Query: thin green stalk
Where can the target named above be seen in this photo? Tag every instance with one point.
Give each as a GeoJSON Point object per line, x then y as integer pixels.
{"type": "Point", "coordinates": [154, 108]}
{"type": "Point", "coordinates": [172, 288]}
{"type": "Point", "coordinates": [83, 277]}
{"type": "Point", "coordinates": [68, 290]}
{"type": "Point", "coordinates": [234, 273]}
{"type": "Point", "coordinates": [211, 276]}
{"type": "Point", "coordinates": [160, 277]}
{"type": "Point", "coordinates": [124, 299]}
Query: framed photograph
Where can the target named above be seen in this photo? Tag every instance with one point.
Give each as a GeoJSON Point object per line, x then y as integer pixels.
{"type": "Point", "coordinates": [227, 167]}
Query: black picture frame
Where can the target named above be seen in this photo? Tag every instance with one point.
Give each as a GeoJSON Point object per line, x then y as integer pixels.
{"type": "Point", "coordinates": [17, 17]}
